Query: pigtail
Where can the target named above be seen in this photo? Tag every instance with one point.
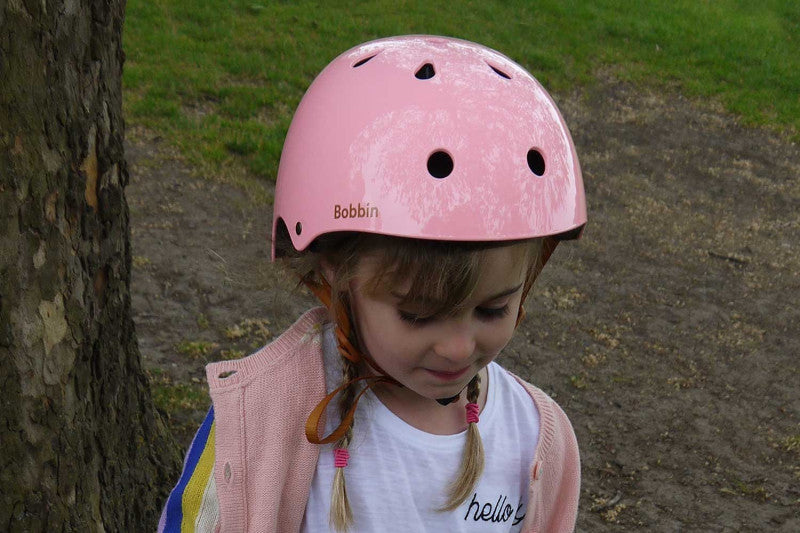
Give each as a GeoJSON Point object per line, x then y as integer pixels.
{"type": "Point", "coordinates": [472, 459]}
{"type": "Point", "coordinates": [341, 515]}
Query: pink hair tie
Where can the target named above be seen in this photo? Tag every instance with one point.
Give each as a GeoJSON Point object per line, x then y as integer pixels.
{"type": "Point", "coordinates": [472, 413]}
{"type": "Point", "coordinates": [340, 457]}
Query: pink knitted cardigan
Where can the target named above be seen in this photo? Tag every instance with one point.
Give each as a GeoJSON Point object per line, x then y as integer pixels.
{"type": "Point", "coordinates": [264, 465]}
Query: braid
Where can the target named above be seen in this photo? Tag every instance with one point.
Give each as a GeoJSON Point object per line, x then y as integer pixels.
{"type": "Point", "coordinates": [474, 389]}
{"type": "Point", "coordinates": [471, 460]}
{"type": "Point", "coordinates": [341, 515]}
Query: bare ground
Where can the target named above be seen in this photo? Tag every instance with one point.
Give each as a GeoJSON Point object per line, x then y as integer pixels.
{"type": "Point", "coordinates": [669, 334]}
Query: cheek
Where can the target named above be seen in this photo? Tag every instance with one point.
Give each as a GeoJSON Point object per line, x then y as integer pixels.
{"type": "Point", "coordinates": [375, 324]}
{"type": "Point", "coordinates": [496, 339]}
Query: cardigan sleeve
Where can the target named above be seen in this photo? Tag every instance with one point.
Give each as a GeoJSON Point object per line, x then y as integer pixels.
{"type": "Point", "coordinates": [557, 477]}
{"type": "Point", "coordinates": [192, 505]}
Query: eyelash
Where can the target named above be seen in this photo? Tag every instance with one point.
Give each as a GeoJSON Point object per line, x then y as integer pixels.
{"type": "Point", "coordinates": [484, 313]}
{"type": "Point", "coordinates": [491, 313]}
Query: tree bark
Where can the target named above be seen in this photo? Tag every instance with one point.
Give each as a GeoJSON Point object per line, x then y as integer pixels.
{"type": "Point", "coordinates": [81, 446]}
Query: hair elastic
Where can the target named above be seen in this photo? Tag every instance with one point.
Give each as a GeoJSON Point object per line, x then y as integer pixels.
{"type": "Point", "coordinates": [472, 413]}
{"type": "Point", "coordinates": [340, 457]}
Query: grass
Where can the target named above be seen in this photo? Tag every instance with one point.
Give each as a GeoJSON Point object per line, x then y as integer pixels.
{"type": "Point", "coordinates": [220, 79]}
{"type": "Point", "coordinates": [196, 349]}
{"type": "Point", "coordinates": [792, 443]}
{"type": "Point", "coordinates": [173, 397]}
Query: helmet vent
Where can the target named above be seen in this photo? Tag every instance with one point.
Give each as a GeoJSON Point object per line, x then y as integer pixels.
{"type": "Point", "coordinates": [298, 228]}
{"type": "Point", "coordinates": [362, 61]}
{"type": "Point", "coordinates": [499, 72]}
{"type": "Point", "coordinates": [536, 162]}
{"type": "Point", "coordinates": [440, 164]}
{"type": "Point", "coordinates": [425, 72]}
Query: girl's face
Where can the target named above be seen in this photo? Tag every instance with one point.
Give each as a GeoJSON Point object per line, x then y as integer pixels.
{"type": "Point", "coordinates": [437, 357]}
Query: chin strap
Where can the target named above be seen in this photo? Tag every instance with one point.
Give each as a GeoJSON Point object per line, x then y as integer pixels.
{"type": "Point", "coordinates": [322, 290]}
{"type": "Point", "coordinates": [313, 420]}
{"type": "Point", "coordinates": [343, 329]}
{"type": "Point", "coordinates": [447, 401]}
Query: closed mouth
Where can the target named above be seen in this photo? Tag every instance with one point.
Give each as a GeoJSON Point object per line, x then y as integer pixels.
{"type": "Point", "coordinates": [447, 376]}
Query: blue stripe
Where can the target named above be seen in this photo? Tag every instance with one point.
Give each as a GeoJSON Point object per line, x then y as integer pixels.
{"type": "Point", "coordinates": [174, 510]}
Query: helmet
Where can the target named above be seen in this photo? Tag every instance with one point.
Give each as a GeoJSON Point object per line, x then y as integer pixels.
{"type": "Point", "coordinates": [431, 138]}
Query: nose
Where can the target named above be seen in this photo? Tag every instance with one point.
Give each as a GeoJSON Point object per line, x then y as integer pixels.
{"type": "Point", "coordinates": [456, 343]}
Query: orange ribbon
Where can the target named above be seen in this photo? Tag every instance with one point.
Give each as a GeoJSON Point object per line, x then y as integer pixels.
{"type": "Point", "coordinates": [313, 420]}
{"type": "Point", "coordinates": [343, 330]}
{"type": "Point", "coordinates": [322, 290]}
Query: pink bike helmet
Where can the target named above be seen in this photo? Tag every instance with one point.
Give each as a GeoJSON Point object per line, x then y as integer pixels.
{"type": "Point", "coordinates": [430, 138]}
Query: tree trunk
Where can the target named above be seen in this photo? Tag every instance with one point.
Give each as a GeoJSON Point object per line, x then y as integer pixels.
{"type": "Point", "coordinates": [81, 445]}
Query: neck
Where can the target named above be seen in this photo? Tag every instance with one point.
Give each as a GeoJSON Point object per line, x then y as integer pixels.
{"type": "Point", "coordinates": [427, 414]}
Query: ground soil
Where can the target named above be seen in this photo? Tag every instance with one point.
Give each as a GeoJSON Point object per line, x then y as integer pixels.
{"type": "Point", "coordinates": [669, 333]}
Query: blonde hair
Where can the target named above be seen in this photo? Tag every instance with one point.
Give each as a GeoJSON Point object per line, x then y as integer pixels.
{"type": "Point", "coordinates": [341, 515]}
{"type": "Point", "coordinates": [471, 459]}
{"type": "Point", "coordinates": [442, 274]}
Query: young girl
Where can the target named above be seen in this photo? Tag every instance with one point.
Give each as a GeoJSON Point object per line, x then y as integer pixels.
{"type": "Point", "coordinates": [423, 185]}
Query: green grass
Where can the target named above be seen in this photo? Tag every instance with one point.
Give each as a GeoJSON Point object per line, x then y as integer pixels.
{"type": "Point", "coordinates": [220, 79]}
{"type": "Point", "coordinates": [196, 349]}
{"type": "Point", "coordinates": [173, 397]}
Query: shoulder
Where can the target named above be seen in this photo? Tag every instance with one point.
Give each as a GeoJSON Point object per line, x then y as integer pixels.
{"type": "Point", "coordinates": [556, 435]}
{"type": "Point", "coordinates": [297, 347]}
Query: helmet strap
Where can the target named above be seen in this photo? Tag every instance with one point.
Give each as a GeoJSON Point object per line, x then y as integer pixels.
{"type": "Point", "coordinates": [347, 350]}
{"type": "Point", "coordinates": [344, 330]}
{"type": "Point", "coordinates": [447, 401]}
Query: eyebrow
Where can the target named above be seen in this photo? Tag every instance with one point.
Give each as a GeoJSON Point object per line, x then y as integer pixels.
{"type": "Point", "coordinates": [497, 296]}
{"type": "Point", "coordinates": [506, 292]}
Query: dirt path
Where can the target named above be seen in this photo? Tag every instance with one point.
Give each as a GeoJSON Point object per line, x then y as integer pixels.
{"type": "Point", "coordinates": [669, 334]}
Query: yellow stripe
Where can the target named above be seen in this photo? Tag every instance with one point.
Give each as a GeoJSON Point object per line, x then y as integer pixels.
{"type": "Point", "coordinates": [193, 494]}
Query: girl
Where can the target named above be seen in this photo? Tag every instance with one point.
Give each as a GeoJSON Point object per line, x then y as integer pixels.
{"type": "Point", "coordinates": [423, 184]}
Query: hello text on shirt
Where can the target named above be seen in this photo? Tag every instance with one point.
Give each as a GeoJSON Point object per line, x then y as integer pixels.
{"type": "Point", "coordinates": [500, 511]}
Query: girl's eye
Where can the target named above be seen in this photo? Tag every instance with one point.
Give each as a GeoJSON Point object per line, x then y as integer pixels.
{"type": "Point", "coordinates": [414, 320]}
{"type": "Point", "coordinates": [491, 313]}
{"type": "Point", "coordinates": [483, 313]}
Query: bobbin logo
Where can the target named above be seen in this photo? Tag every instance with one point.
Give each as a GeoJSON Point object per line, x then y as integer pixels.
{"type": "Point", "coordinates": [355, 211]}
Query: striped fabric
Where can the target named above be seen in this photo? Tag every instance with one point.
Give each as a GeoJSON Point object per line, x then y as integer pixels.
{"type": "Point", "coordinates": [192, 505]}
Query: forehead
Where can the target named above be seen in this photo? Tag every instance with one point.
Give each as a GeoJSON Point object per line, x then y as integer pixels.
{"type": "Point", "coordinates": [476, 275]}
{"type": "Point", "coordinates": [500, 269]}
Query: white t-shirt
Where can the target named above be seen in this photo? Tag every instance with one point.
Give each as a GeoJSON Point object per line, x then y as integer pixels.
{"type": "Point", "coordinates": [397, 474]}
